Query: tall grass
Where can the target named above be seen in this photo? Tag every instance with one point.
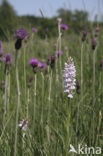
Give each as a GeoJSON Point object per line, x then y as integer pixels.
{"type": "Point", "coordinates": [45, 103]}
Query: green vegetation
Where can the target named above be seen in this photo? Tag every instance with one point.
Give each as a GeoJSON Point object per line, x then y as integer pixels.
{"type": "Point", "coordinates": [52, 125]}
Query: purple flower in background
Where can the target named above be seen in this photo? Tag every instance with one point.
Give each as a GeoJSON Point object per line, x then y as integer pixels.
{"type": "Point", "coordinates": [34, 62]}
{"type": "Point", "coordinates": [84, 35]}
{"type": "Point", "coordinates": [97, 31]}
{"type": "Point", "coordinates": [78, 87]}
{"type": "Point", "coordinates": [1, 53]}
{"type": "Point", "coordinates": [48, 60]}
{"type": "Point", "coordinates": [21, 34]}
{"type": "Point", "coordinates": [101, 64]}
{"type": "Point", "coordinates": [94, 43]}
{"type": "Point", "coordinates": [59, 53]}
{"type": "Point", "coordinates": [69, 77]}
{"type": "Point", "coordinates": [42, 65]}
{"type": "Point", "coordinates": [47, 30]}
{"type": "Point", "coordinates": [63, 26]}
{"type": "Point", "coordinates": [7, 59]}
{"type": "Point", "coordinates": [1, 49]}
{"type": "Point", "coordinates": [34, 30]}
{"type": "Point", "coordinates": [51, 60]}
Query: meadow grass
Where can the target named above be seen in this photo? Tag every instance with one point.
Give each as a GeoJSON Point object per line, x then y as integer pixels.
{"type": "Point", "coordinates": [44, 102]}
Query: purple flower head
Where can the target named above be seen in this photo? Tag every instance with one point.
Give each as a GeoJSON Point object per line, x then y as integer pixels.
{"type": "Point", "coordinates": [51, 60]}
{"type": "Point", "coordinates": [84, 35]}
{"type": "Point", "coordinates": [47, 30]}
{"type": "Point", "coordinates": [101, 64]}
{"type": "Point", "coordinates": [59, 53]}
{"type": "Point", "coordinates": [97, 29]}
{"type": "Point", "coordinates": [94, 43]}
{"type": "Point", "coordinates": [1, 49]}
{"type": "Point", "coordinates": [34, 62]}
{"type": "Point", "coordinates": [1, 53]}
{"type": "Point", "coordinates": [53, 57]}
{"type": "Point", "coordinates": [48, 60]}
{"type": "Point", "coordinates": [78, 87]}
{"type": "Point", "coordinates": [42, 65]}
{"type": "Point", "coordinates": [34, 30]}
{"type": "Point", "coordinates": [63, 26]}
{"type": "Point", "coordinates": [21, 34]}
{"type": "Point", "coordinates": [7, 59]}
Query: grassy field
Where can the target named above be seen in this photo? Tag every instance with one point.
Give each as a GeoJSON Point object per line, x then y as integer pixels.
{"type": "Point", "coordinates": [53, 120]}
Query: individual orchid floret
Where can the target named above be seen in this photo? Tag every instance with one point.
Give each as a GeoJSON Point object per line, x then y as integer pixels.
{"type": "Point", "coordinates": [23, 124]}
{"type": "Point", "coordinates": [69, 77]}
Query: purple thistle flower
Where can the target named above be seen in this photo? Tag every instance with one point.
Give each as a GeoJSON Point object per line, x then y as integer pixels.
{"type": "Point", "coordinates": [42, 65]}
{"type": "Point", "coordinates": [101, 64]}
{"type": "Point", "coordinates": [51, 60]}
{"type": "Point", "coordinates": [94, 43]}
{"type": "Point", "coordinates": [63, 26]}
{"type": "Point", "coordinates": [34, 30]}
{"type": "Point", "coordinates": [84, 35]}
{"type": "Point", "coordinates": [21, 34]}
{"type": "Point", "coordinates": [97, 29]}
{"type": "Point", "coordinates": [78, 87]}
{"type": "Point", "coordinates": [47, 30]}
{"type": "Point", "coordinates": [1, 49]}
{"type": "Point", "coordinates": [1, 53]}
{"type": "Point", "coordinates": [69, 77]}
{"type": "Point", "coordinates": [59, 53]}
{"type": "Point", "coordinates": [34, 62]}
{"type": "Point", "coordinates": [7, 59]}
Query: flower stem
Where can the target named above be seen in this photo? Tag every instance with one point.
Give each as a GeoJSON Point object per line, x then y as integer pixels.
{"type": "Point", "coordinates": [5, 99]}
{"type": "Point", "coordinates": [49, 98]}
{"type": "Point", "coordinates": [18, 105]}
{"type": "Point", "coordinates": [82, 70]}
{"type": "Point", "coordinates": [25, 79]}
{"type": "Point", "coordinates": [42, 102]}
{"type": "Point", "coordinates": [67, 126]}
{"type": "Point", "coordinates": [94, 62]}
{"type": "Point", "coordinates": [35, 83]}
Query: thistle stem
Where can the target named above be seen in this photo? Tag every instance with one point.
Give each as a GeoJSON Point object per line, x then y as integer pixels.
{"type": "Point", "coordinates": [5, 99]}
{"type": "Point", "coordinates": [34, 114]}
{"type": "Point", "coordinates": [18, 105]}
{"type": "Point", "coordinates": [49, 98]}
{"type": "Point", "coordinates": [42, 102]}
{"type": "Point", "coordinates": [94, 62]}
{"type": "Point", "coordinates": [25, 80]}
